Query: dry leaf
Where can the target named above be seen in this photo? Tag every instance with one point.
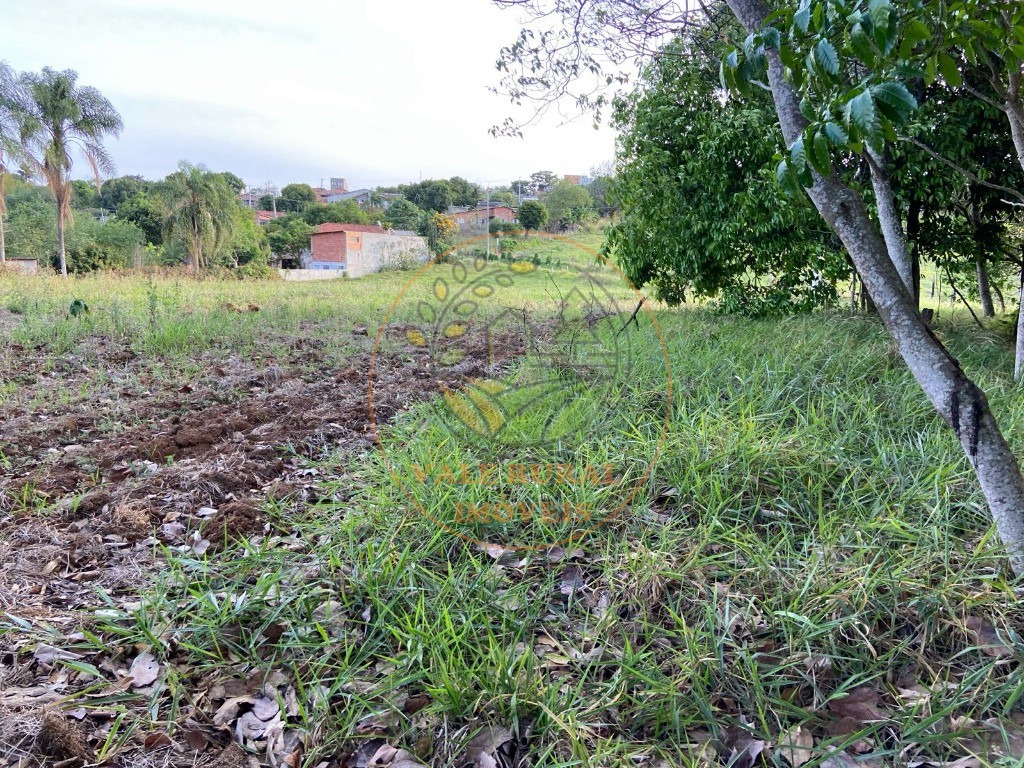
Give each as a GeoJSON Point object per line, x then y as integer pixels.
{"type": "Point", "coordinates": [795, 746]}
{"type": "Point", "coordinates": [572, 580]}
{"type": "Point", "coordinates": [156, 741]}
{"type": "Point", "coordinates": [482, 747]}
{"type": "Point", "coordinates": [860, 704]}
{"type": "Point", "coordinates": [144, 670]}
{"type": "Point", "coordinates": [48, 654]}
{"type": "Point", "coordinates": [986, 637]}
{"type": "Point", "coordinates": [229, 710]}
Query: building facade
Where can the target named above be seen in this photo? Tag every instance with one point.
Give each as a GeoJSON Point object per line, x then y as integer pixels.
{"type": "Point", "coordinates": [360, 249]}
{"type": "Point", "coordinates": [479, 219]}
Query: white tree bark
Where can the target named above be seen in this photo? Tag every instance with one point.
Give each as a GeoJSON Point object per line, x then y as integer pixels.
{"type": "Point", "coordinates": [957, 399]}
{"type": "Point", "coordinates": [891, 221]}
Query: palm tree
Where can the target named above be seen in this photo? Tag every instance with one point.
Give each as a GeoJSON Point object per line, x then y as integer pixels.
{"type": "Point", "coordinates": [58, 117]}
{"type": "Point", "coordinates": [9, 145]}
{"type": "Point", "coordinates": [201, 205]}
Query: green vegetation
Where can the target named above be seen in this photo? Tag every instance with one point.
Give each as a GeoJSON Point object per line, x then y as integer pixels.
{"type": "Point", "coordinates": [810, 562]}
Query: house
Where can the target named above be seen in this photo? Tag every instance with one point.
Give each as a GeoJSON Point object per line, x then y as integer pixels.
{"type": "Point", "coordinates": [579, 181]}
{"type": "Point", "coordinates": [265, 217]}
{"type": "Point", "coordinates": [478, 219]}
{"type": "Point", "coordinates": [361, 196]}
{"type": "Point", "coordinates": [361, 249]}
{"type": "Point", "coordinates": [21, 265]}
{"type": "Point", "coordinates": [338, 187]}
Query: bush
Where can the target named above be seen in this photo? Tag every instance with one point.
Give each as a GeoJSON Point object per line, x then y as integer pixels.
{"type": "Point", "coordinates": [499, 227]}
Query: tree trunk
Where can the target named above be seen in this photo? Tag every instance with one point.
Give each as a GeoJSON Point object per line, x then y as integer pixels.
{"type": "Point", "coordinates": [891, 221]}
{"type": "Point", "coordinates": [957, 399]}
{"type": "Point", "coordinates": [988, 308]}
{"type": "Point", "coordinates": [1018, 362]}
{"type": "Point", "coordinates": [3, 244]}
{"type": "Point", "coordinates": [60, 240]}
{"type": "Point", "coordinates": [1015, 112]}
{"type": "Point", "coordinates": [914, 244]}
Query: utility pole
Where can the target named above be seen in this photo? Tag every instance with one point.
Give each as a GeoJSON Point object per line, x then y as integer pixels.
{"type": "Point", "coordinates": [488, 224]}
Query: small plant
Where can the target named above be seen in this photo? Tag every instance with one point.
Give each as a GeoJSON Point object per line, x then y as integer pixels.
{"type": "Point", "coordinates": [78, 307]}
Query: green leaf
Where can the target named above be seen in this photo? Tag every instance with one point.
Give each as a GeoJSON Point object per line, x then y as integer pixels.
{"type": "Point", "coordinates": [949, 70]}
{"type": "Point", "coordinates": [802, 18]}
{"type": "Point", "coordinates": [821, 159]}
{"type": "Point", "coordinates": [860, 44]}
{"type": "Point", "coordinates": [836, 134]}
{"type": "Point", "coordinates": [916, 32]}
{"type": "Point", "coordinates": [770, 37]}
{"type": "Point", "coordinates": [826, 56]}
{"type": "Point", "coordinates": [894, 100]}
{"type": "Point", "coordinates": [861, 114]}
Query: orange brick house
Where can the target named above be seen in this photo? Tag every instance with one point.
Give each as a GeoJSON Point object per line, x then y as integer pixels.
{"type": "Point", "coordinates": [479, 218]}
{"type": "Point", "coordinates": [360, 249]}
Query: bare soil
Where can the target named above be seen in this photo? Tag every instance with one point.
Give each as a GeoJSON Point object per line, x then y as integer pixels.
{"type": "Point", "coordinates": [106, 453]}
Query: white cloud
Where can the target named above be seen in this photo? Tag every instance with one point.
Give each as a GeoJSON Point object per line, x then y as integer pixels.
{"type": "Point", "coordinates": [298, 90]}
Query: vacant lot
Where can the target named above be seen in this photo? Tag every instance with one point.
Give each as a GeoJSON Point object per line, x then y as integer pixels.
{"type": "Point", "coordinates": [207, 561]}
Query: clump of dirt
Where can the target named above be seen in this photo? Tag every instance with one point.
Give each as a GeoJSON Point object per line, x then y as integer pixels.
{"type": "Point", "coordinates": [129, 520]}
{"type": "Point", "coordinates": [235, 520]}
{"type": "Point", "coordinates": [60, 738]}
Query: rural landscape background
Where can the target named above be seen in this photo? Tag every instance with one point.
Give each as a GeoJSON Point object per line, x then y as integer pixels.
{"type": "Point", "coordinates": [701, 455]}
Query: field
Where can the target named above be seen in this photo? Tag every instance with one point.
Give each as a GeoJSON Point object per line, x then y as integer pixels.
{"type": "Point", "coordinates": [209, 560]}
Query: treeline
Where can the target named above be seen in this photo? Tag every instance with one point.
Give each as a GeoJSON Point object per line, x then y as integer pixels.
{"type": "Point", "coordinates": [706, 213]}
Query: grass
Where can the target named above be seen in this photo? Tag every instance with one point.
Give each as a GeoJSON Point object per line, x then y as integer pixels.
{"type": "Point", "coordinates": [808, 558]}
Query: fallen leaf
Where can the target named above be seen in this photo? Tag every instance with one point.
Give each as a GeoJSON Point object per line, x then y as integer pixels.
{"type": "Point", "coordinates": [795, 746]}
{"type": "Point", "coordinates": [861, 704]}
{"type": "Point", "coordinates": [229, 710]}
{"type": "Point", "coordinates": [156, 741]}
{"type": "Point", "coordinates": [481, 748]}
{"type": "Point", "coordinates": [987, 638]}
{"type": "Point", "coordinates": [571, 580]}
{"type": "Point", "coordinates": [144, 670]}
{"type": "Point", "coordinates": [265, 708]}
{"type": "Point", "coordinates": [48, 654]}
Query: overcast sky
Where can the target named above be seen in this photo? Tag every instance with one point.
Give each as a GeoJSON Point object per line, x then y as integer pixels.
{"type": "Point", "coordinates": [299, 90]}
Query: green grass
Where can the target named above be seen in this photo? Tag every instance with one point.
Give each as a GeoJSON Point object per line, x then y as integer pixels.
{"type": "Point", "coordinates": [809, 528]}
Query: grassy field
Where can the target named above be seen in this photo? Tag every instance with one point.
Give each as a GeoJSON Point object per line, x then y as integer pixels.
{"type": "Point", "coordinates": [208, 556]}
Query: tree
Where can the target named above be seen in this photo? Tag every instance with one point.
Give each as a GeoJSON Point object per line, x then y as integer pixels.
{"type": "Point", "coordinates": [698, 221]}
{"type": "Point", "coordinates": [523, 188]}
{"type": "Point", "coordinates": [200, 211]}
{"type": "Point", "coordinates": [288, 236]}
{"type": "Point", "coordinates": [234, 182]}
{"type": "Point", "coordinates": [296, 197]}
{"type": "Point", "coordinates": [533, 215]}
{"type": "Point", "coordinates": [9, 139]}
{"type": "Point", "coordinates": [116, 191]}
{"type": "Point", "coordinates": [345, 212]}
{"type": "Point", "coordinates": [430, 195]}
{"type": "Point", "coordinates": [464, 192]}
{"type": "Point", "coordinates": [440, 229]}
{"type": "Point", "coordinates": [84, 194]}
{"type": "Point", "coordinates": [56, 118]}
{"type": "Point", "coordinates": [504, 196]}
{"type": "Point", "coordinates": [403, 214]}
{"type": "Point", "coordinates": [822, 128]}
{"type": "Point", "coordinates": [568, 205]}
{"type": "Point", "coordinates": [148, 213]}
{"type": "Point", "coordinates": [542, 181]}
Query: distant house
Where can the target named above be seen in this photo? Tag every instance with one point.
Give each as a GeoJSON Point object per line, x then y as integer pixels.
{"type": "Point", "coordinates": [22, 265]}
{"type": "Point", "coordinates": [361, 196]}
{"type": "Point", "coordinates": [338, 187]}
{"type": "Point", "coordinates": [265, 217]}
{"type": "Point", "coordinates": [579, 181]}
{"type": "Point", "coordinates": [361, 249]}
{"type": "Point", "coordinates": [478, 219]}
